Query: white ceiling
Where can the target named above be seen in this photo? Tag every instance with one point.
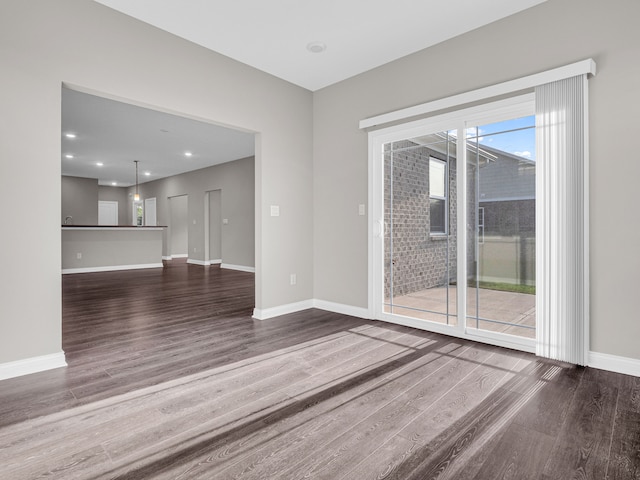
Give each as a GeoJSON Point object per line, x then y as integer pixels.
{"type": "Point", "coordinates": [272, 35]}
{"type": "Point", "coordinates": [115, 134]}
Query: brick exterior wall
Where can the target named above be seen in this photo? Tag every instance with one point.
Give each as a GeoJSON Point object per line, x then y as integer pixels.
{"type": "Point", "coordinates": [420, 260]}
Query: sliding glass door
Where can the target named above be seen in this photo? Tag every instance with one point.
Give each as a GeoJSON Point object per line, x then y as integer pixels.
{"type": "Point", "coordinates": [420, 228]}
{"type": "Point", "coordinates": [454, 247]}
{"type": "Point", "coordinates": [501, 236]}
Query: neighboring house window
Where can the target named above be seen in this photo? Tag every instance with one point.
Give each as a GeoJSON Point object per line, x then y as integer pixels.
{"type": "Point", "coordinates": [437, 196]}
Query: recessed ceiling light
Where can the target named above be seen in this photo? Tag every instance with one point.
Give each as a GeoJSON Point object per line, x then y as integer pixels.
{"type": "Point", "coordinates": [68, 155]}
{"type": "Point", "coordinates": [316, 47]}
{"type": "Point", "coordinates": [114, 183]}
{"type": "Point", "coordinates": [147, 173]}
{"type": "Point", "coordinates": [99, 164]}
{"type": "Point", "coordinates": [187, 154]}
{"type": "Point", "coordinates": [70, 135]}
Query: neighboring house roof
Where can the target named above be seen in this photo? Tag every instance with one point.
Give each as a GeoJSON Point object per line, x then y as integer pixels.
{"type": "Point", "coordinates": [503, 175]}
{"type": "Point", "coordinates": [508, 177]}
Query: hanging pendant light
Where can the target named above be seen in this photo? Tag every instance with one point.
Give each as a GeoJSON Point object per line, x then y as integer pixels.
{"type": "Point", "coordinates": [136, 196]}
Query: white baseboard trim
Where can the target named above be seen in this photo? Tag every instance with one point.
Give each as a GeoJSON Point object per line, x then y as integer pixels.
{"type": "Point", "coordinates": [206, 263]}
{"type": "Point", "coordinates": [266, 313]}
{"type": "Point", "coordinates": [203, 263]}
{"type": "Point", "coordinates": [179, 255]}
{"type": "Point", "coordinates": [341, 308]}
{"type": "Point", "coordinates": [614, 363]}
{"type": "Point", "coordinates": [602, 361]}
{"type": "Point", "coordinates": [240, 268]}
{"type": "Point", "coordinates": [167, 257]}
{"type": "Point", "coordinates": [32, 365]}
{"type": "Point", "coordinates": [110, 268]}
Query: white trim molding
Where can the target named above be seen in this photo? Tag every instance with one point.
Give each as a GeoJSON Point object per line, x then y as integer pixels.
{"type": "Point", "coordinates": [342, 308]}
{"type": "Point", "coordinates": [267, 313]}
{"type": "Point", "coordinates": [32, 365]}
{"type": "Point", "coordinates": [587, 66]}
{"type": "Point", "coordinates": [179, 255]}
{"type": "Point", "coordinates": [167, 257]}
{"type": "Point", "coordinates": [601, 361]}
{"type": "Point", "coordinates": [110, 268]}
{"type": "Point", "coordinates": [207, 263]}
{"type": "Point", "coordinates": [116, 228]}
{"type": "Point", "coordinates": [241, 268]}
{"type": "Point", "coordinates": [614, 363]}
{"type": "Point", "coordinates": [203, 263]}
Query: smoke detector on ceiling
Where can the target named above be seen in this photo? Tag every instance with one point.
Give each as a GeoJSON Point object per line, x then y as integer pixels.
{"type": "Point", "coordinates": [316, 47]}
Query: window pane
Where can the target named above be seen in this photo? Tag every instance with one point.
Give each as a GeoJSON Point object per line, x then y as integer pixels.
{"type": "Point", "coordinates": [437, 213]}
{"type": "Point", "coordinates": [437, 171]}
{"type": "Point", "coordinates": [420, 269]}
{"type": "Point", "coordinates": [501, 219]}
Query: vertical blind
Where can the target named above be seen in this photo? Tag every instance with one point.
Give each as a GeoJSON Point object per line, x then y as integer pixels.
{"type": "Point", "coordinates": [562, 293]}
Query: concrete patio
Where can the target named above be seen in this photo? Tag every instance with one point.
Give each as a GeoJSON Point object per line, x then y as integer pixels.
{"type": "Point", "coordinates": [505, 312]}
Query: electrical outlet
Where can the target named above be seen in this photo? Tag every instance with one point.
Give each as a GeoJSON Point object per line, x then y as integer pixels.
{"type": "Point", "coordinates": [79, 256]}
{"type": "Point", "coordinates": [293, 279]}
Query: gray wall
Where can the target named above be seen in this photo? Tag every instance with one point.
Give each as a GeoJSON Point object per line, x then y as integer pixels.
{"type": "Point", "coordinates": [91, 47]}
{"type": "Point", "coordinates": [79, 198]}
{"type": "Point", "coordinates": [552, 34]}
{"type": "Point", "coordinates": [120, 195]}
{"type": "Point", "coordinates": [236, 182]}
{"type": "Point", "coordinates": [110, 247]}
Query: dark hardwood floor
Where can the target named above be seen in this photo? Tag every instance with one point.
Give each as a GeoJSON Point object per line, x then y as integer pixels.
{"type": "Point", "coordinates": [170, 378]}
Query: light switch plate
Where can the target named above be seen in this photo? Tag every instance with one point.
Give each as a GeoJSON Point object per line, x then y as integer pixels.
{"type": "Point", "coordinates": [275, 210]}
{"type": "Point", "coordinates": [361, 209]}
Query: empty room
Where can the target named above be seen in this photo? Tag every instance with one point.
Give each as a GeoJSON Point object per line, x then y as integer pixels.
{"type": "Point", "coordinates": [335, 240]}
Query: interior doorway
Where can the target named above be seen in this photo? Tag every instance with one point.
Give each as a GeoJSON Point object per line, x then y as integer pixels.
{"type": "Point", "coordinates": [107, 212]}
{"type": "Point", "coordinates": [177, 153]}
{"type": "Point", "coordinates": [150, 215]}
{"type": "Point", "coordinates": [178, 226]}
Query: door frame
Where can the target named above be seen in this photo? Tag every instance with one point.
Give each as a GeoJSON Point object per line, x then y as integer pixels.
{"type": "Point", "coordinates": [148, 203]}
{"type": "Point", "coordinates": [112, 203]}
{"type": "Point", "coordinates": [514, 107]}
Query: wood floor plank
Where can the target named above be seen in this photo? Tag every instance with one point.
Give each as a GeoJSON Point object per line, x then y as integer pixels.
{"type": "Point", "coordinates": [583, 445]}
{"type": "Point", "coordinates": [169, 377]}
{"type": "Point", "coordinates": [325, 412]}
{"type": "Point", "coordinates": [328, 419]}
{"type": "Point", "coordinates": [429, 431]}
{"type": "Point", "coordinates": [547, 410]}
{"type": "Point", "coordinates": [446, 455]}
{"type": "Point", "coordinates": [629, 393]}
{"type": "Point", "coordinates": [79, 465]}
{"type": "Point", "coordinates": [624, 463]}
{"type": "Point", "coordinates": [520, 454]}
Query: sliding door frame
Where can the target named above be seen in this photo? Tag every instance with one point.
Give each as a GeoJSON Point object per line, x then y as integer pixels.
{"type": "Point", "coordinates": [459, 120]}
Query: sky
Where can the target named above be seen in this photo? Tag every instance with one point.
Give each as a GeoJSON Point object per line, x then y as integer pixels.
{"type": "Point", "coordinates": [520, 142]}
